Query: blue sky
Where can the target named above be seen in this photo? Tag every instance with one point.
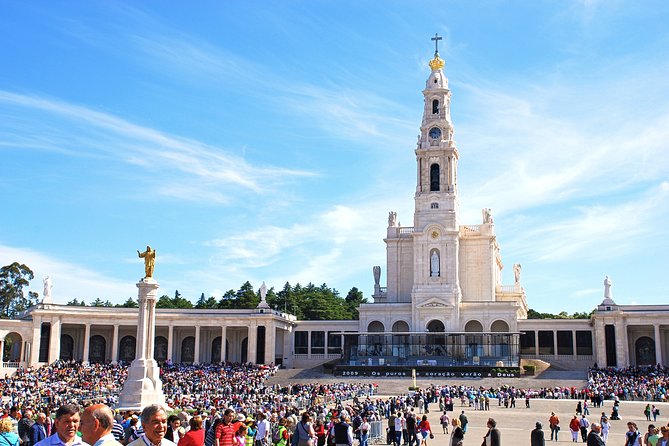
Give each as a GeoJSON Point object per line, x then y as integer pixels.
{"type": "Point", "coordinates": [268, 141]}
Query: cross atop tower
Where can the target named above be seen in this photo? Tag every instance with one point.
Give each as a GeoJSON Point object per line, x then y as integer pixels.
{"type": "Point", "coordinates": [436, 39]}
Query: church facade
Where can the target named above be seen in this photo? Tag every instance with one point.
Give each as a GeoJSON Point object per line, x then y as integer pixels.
{"type": "Point", "coordinates": [443, 306]}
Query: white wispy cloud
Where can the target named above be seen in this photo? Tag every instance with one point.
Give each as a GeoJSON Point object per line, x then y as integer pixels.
{"type": "Point", "coordinates": [101, 134]}
{"type": "Point", "coordinates": [69, 280]}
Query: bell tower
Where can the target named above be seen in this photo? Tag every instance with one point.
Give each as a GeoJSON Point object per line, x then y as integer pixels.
{"type": "Point", "coordinates": [435, 294]}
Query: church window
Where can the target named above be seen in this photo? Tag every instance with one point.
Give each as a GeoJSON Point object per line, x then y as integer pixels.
{"type": "Point", "coordinates": [434, 205]}
{"type": "Point", "coordinates": [435, 107]}
{"type": "Point", "coordinates": [434, 177]}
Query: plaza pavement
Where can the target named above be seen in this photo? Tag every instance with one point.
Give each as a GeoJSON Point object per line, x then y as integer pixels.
{"type": "Point", "coordinates": [516, 423]}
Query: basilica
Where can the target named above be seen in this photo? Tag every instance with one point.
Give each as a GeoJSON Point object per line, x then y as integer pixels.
{"type": "Point", "coordinates": [443, 311]}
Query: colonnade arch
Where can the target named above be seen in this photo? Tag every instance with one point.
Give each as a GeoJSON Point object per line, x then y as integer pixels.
{"type": "Point", "coordinates": [12, 346]}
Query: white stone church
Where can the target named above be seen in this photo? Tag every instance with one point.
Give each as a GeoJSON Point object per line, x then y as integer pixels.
{"type": "Point", "coordinates": [444, 307]}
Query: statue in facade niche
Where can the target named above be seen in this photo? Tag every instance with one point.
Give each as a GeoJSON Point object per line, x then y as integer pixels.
{"type": "Point", "coordinates": [149, 257]}
{"type": "Point", "coordinates": [392, 218]}
{"type": "Point", "coordinates": [377, 274]}
{"type": "Point", "coordinates": [434, 264]}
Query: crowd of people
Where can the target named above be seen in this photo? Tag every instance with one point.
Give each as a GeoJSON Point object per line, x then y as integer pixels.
{"type": "Point", "coordinates": [256, 413]}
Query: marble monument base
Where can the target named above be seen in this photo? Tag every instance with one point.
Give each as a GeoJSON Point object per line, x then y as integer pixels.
{"type": "Point", "coordinates": [143, 386]}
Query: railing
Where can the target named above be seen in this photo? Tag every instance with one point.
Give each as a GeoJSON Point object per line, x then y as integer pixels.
{"type": "Point", "coordinates": [383, 289]}
{"type": "Point", "coordinates": [407, 230]}
{"type": "Point", "coordinates": [11, 365]}
{"type": "Point", "coordinates": [472, 228]}
{"type": "Point", "coordinates": [507, 289]}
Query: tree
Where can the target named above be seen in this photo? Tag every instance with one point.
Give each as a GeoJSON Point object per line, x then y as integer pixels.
{"type": "Point", "coordinates": [130, 303]}
{"type": "Point", "coordinates": [353, 300]}
{"type": "Point", "coordinates": [12, 280]}
{"type": "Point", "coordinates": [97, 303]}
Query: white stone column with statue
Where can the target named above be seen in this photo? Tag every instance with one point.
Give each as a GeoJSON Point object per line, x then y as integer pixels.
{"type": "Point", "coordinates": [143, 385]}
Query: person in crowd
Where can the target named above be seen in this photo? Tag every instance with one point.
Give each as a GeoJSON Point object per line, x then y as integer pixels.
{"type": "Point", "coordinates": [364, 431]}
{"type": "Point", "coordinates": [304, 431]}
{"type": "Point", "coordinates": [537, 436]}
{"type": "Point", "coordinates": [23, 426]}
{"type": "Point", "coordinates": [606, 427]}
{"type": "Point", "coordinates": [554, 424]}
{"type": "Point", "coordinates": [38, 429]}
{"type": "Point", "coordinates": [463, 421]}
{"type": "Point", "coordinates": [154, 425]}
{"type": "Point", "coordinates": [66, 426]}
{"type": "Point", "coordinates": [652, 436]}
{"type": "Point", "coordinates": [96, 426]}
{"type": "Point", "coordinates": [632, 436]}
{"type": "Point", "coordinates": [226, 431]}
{"type": "Point", "coordinates": [584, 424]}
{"type": "Point", "coordinates": [493, 437]}
{"type": "Point", "coordinates": [7, 436]}
{"type": "Point", "coordinates": [424, 430]}
{"type": "Point", "coordinates": [173, 426]}
{"type": "Point", "coordinates": [664, 436]}
{"type": "Point", "coordinates": [574, 428]}
{"type": "Point", "coordinates": [263, 430]}
{"type": "Point", "coordinates": [195, 435]}
{"type": "Point", "coordinates": [343, 433]}
{"type": "Point", "coordinates": [210, 436]}
{"type": "Point", "coordinates": [445, 422]}
{"type": "Point", "coordinates": [133, 431]}
{"type": "Point", "coordinates": [457, 434]}
{"type": "Point", "coordinates": [410, 423]}
{"type": "Point", "coordinates": [593, 438]}
{"type": "Point", "coordinates": [284, 435]}
{"type": "Point", "coordinates": [321, 434]}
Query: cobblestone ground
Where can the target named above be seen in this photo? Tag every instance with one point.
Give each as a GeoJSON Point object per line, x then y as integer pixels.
{"type": "Point", "coordinates": [514, 423]}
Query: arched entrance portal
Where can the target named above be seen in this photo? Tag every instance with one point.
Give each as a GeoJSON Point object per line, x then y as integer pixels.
{"type": "Point", "coordinates": [127, 348]}
{"type": "Point", "coordinates": [160, 349]}
{"type": "Point", "coordinates": [644, 350]}
{"type": "Point", "coordinates": [188, 349]}
{"type": "Point", "coordinates": [66, 347]}
{"type": "Point", "coordinates": [216, 350]}
{"type": "Point", "coordinates": [98, 349]}
{"type": "Point", "coordinates": [12, 347]}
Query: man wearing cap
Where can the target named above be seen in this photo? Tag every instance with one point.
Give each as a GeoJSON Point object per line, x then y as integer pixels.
{"type": "Point", "coordinates": [154, 424]}
{"type": "Point", "coordinates": [96, 426]}
{"type": "Point", "coordinates": [537, 436]}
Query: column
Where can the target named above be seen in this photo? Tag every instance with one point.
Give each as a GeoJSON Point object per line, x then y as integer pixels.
{"type": "Point", "coordinates": [599, 341]}
{"type": "Point", "coordinates": [555, 345]}
{"type": "Point", "coordinates": [536, 342]}
{"type": "Point", "coordinates": [196, 356]}
{"type": "Point", "coordinates": [270, 343]}
{"type": "Point", "coordinates": [34, 342]}
{"type": "Point", "coordinates": [23, 346]}
{"type": "Point", "coordinates": [87, 338]}
{"type": "Point", "coordinates": [309, 344]}
{"type": "Point", "coordinates": [288, 343]}
{"type": "Point", "coordinates": [658, 344]}
{"type": "Point", "coordinates": [326, 344]}
{"type": "Point", "coordinates": [224, 336]}
{"type": "Point", "coordinates": [252, 343]}
{"type": "Point", "coordinates": [621, 343]}
{"type": "Point", "coordinates": [54, 341]}
{"type": "Point", "coordinates": [573, 340]}
{"type": "Point", "coordinates": [2, 351]}
{"type": "Point", "coordinates": [114, 350]}
{"type": "Point", "coordinates": [170, 339]}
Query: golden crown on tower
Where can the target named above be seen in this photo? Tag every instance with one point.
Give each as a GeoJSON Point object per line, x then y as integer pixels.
{"type": "Point", "coordinates": [437, 63]}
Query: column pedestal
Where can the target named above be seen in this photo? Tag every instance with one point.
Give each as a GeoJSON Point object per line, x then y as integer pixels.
{"type": "Point", "coordinates": [143, 386]}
